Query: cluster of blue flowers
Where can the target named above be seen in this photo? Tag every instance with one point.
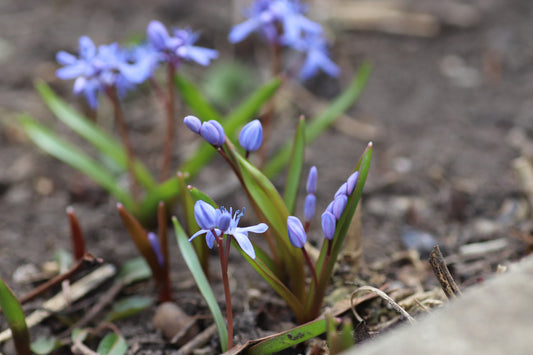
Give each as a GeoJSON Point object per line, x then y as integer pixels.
{"type": "Point", "coordinates": [296, 230]}
{"type": "Point", "coordinates": [97, 69]}
{"type": "Point", "coordinates": [215, 223]}
{"type": "Point", "coordinates": [250, 138]}
{"type": "Point", "coordinates": [282, 22]}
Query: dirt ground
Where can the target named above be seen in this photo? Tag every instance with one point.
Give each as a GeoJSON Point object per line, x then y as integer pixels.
{"type": "Point", "coordinates": [448, 113]}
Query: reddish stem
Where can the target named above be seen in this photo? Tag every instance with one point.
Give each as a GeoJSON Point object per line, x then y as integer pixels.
{"type": "Point", "coordinates": [171, 124]}
{"type": "Point", "coordinates": [227, 293]}
{"type": "Point", "coordinates": [310, 264]}
{"type": "Point", "coordinates": [123, 131]}
{"type": "Point", "coordinates": [76, 235]}
{"type": "Point", "coordinates": [165, 289]}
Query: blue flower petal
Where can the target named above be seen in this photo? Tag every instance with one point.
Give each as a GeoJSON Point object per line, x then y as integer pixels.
{"type": "Point", "coordinates": [245, 244]}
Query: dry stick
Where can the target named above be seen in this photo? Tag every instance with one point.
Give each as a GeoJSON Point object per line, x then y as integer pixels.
{"type": "Point", "coordinates": [386, 297]}
{"type": "Point", "coordinates": [436, 260]}
{"type": "Point", "coordinates": [123, 131]}
{"type": "Point", "coordinates": [198, 340]}
{"type": "Point", "coordinates": [85, 262]}
{"type": "Point", "coordinates": [171, 124]}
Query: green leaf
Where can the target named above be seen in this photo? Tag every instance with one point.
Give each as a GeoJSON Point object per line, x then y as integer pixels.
{"type": "Point", "coordinates": [295, 167]}
{"type": "Point", "coordinates": [195, 100]}
{"type": "Point", "coordinates": [69, 154]}
{"type": "Point", "coordinates": [187, 251]}
{"type": "Point", "coordinates": [321, 122]}
{"type": "Point", "coordinates": [134, 270]}
{"type": "Point", "coordinates": [112, 344]}
{"type": "Point", "coordinates": [15, 318]}
{"type": "Point", "coordinates": [289, 338]}
{"type": "Point", "coordinates": [45, 345]}
{"type": "Point", "coordinates": [168, 191]}
{"type": "Point", "coordinates": [128, 307]}
{"type": "Point", "coordinates": [102, 141]}
{"type": "Point", "coordinates": [238, 117]}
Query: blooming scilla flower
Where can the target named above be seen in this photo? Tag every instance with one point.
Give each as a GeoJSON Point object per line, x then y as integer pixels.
{"type": "Point", "coordinates": [177, 47]}
{"type": "Point", "coordinates": [251, 136]}
{"type": "Point", "coordinates": [269, 16]}
{"type": "Point", "coordinates": [107, 66]}
{"type": "Point", "coordinates": [216, 223]}
{"type": "Point", "coordinates": [316, 56]}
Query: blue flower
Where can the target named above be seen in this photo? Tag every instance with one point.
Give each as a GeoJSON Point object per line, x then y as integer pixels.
{"type": "Point", "coordinates": [251, 136]}
{"type": "Point", "coordinates": [99, 68]}
{"type": "Point", "coordinates": [213, 132]}
{"type": "Point", "coordinates": [352, 182]}
{"type": "Point", "coordinates": [317, 56]}
{"type": "Point", "coordinates": [343, 190]}
{"type": "Point", "coordinates": [310, 187]}
{"type": "Point", "coordinates": [296, 232]}
{"type": "Point", "coordinates": [337, 206]}
{"type": "Point", "coordinates": [329, 223]}
{"type": "Point", "coordinates": [219, 222]}
{"type": "Point", "coordinates": [309, 207]}
{"type": "Point", "coordinates": [268, 16]}
{"type": "Point", "coordinates": [178, 46]}
{"type": "Point", "coordinates": [193, 123]}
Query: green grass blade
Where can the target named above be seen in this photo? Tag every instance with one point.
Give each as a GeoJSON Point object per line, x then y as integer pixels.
{"type": "Point", "coordinates": [102, 141]}
{"type": "Point", "coordinates": [69, 154]}
{"type": "Point", "coordinates": [289, 338]}
{"type": "Point", "coordinates": [15, 319]}
{"type": "Point", "coordinates": [187, 251]}
{"type": "Point", "coordinates": [195, 100]}
{"type": "Point", "coordinates": [295, 167]}
{"type": "Point", "coordinates": [319, 123]}
{"type": "Point", "coordinates": [234, 120]}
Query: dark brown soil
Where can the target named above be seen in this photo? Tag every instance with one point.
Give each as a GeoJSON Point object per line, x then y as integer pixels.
{"type": "Point", "coordinates": [448, 110]}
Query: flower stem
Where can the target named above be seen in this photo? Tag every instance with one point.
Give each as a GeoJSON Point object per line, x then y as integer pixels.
{"type": "Point", "coordinates": [171, 123]}
{"type": "Point", "coordinates": [225, 280]}
{"type": "Point", "coordinates": [123, 131]}
{"type": "Point", "coordinates": [310, 264]}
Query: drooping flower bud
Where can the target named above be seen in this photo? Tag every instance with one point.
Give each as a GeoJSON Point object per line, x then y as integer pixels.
{"type": "Point", "coordinates": [205, 215]}
{"type": "Point", "coordinates": [328, 225]}
{"type": "Point", "coordinates": [193, 123]}
{"type": "Point", "coordinates": [352, 182]}
{"type": "Point", "coordinates": [251, 136]}
{"type": "Point", "coordinates": [309, 207]}
{"type": "Point", "coordinates": [213, 133]}
{"type": "Point", "coordinates": [295, 229]}
{"type": "Point", "coordinates": [311, 180]}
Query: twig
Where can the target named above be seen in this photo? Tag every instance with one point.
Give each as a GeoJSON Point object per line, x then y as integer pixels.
{"type": "Point", "coordinates": [198, 340]}
{"type": "Point", "coordinates": [386, 297]}
{"type": "Point", "coordinates": [87, 260]}
{"type": "Point", "coordinates": [436, 260]}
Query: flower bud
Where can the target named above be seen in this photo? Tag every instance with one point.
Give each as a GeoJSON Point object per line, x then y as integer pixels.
{"type": "Point", "coordinates": [352, 182]}
{"type": "Point", "coordinates": [251, 136]}
{"type": "Point", "coordinates": [205, 215]}
{"type": "Point", "coordinates": [154, 242]}
{"type": "Point", "coordinates": [328, 225]}
{"type": "Point", "coordinates": [311, 180]}
{"type": "Point", "coordinates": [295, 229]}
{"type": "Point", "coordinates": [342, 190]}
{"type": "Point", "coordinates": [213, 133]}
{"type": "Point", "coordinates": [193, 123]}
{"type": "Point", "coordinates": [338, 205]}
{"type": "Point", "coordinates": [224, 220]}
{"type": "Point", "coordinates": [309, 207]}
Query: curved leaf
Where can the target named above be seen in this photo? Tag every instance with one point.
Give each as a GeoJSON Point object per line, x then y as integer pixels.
{"type": "Point", "coordinates": [15, 319]}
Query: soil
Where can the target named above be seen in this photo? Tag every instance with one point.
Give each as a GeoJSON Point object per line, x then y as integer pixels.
{"type": "Point", "coordinates": [449, 114]}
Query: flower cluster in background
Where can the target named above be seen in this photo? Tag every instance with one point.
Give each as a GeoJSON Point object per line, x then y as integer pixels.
{"type": "Point", "coordinates": [282, 23]}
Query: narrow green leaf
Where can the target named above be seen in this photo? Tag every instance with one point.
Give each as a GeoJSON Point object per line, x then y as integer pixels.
{"type": "Point", "coordinates": [289, 338]}
{"type": "Point", "coordinates": [195, 100]}
{"type": "Point", "coordinates": [295, 167]}
{"type": "Point", "coordinates": [112, 344]}
{"type": "Point", "coordinates": [134, 270]}
{"type": "Point", "coordinates": [235, 119]}
{"type": "Point", "coordinates": [319, 123]}
{"type": "Point", "coordinates": [102, 141]}
{"type": "Point", "coordinates": [187, 251]}
{"type": "Point", "coordinates": [15, 318]}
{"type": "Point", "coordinates": [128, 307]}
{"type": "Point", "coordinates": [69, 154]}
{"type": "Point", "coordinates": [168, 191]}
